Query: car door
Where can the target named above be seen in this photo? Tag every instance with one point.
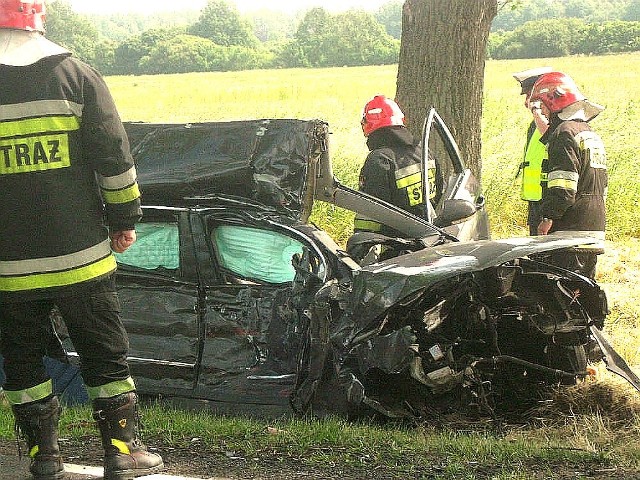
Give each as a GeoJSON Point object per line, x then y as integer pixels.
{"type": "Point", "coordinates": [158, 289]}
{"type": "Point", "coordinates": [253, 324]}
{"type": "Point", "coordinates": [450, 182]}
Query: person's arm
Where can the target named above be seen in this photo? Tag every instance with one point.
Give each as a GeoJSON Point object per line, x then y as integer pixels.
{"type": "Point", "coordinates": [562, 180]}
{"type": "Point", "coordinates": [375, 176]}
{"type": "Point", "coordinates": [374, 180]}
{"type": "Point", "coordinates": [107, 147]}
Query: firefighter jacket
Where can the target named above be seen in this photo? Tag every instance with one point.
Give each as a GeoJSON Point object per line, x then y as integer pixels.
{"type": "Point", "coordinates": [65, 167]}
{"type": "Point", "coordinates": [535, 153]}
{"type": "Point", "coordinates": [392, 172]}
{"type": "Point", "coordinates": [576, 170]}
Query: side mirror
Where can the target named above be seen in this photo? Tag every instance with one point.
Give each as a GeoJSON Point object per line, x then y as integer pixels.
{"type": "Point", "coordinates": [453, 211]}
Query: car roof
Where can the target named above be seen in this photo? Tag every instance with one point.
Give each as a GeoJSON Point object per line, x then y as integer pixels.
{"type": "Point", "coordinates": [264, 160]}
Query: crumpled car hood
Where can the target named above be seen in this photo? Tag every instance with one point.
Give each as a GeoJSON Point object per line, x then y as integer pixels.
{"type": "Point", "coordinates": [448, 325]}
{"type": "Point", "coordinates": [380, 286]}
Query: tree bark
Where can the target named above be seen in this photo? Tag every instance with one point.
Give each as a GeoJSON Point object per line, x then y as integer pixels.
{"type": "Point", "coordinates": [442, 59]}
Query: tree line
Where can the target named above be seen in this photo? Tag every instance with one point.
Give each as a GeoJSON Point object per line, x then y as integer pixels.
{"type": "Point", "coordinates": [219, 38]}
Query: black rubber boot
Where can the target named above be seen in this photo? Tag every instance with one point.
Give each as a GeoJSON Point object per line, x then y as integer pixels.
{"type": "Point", "coordinates": [38, 424]}
{"type": "Point", "coordinates": [126, 457]}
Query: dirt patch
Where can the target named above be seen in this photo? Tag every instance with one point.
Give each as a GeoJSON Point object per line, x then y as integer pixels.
{"type": "Point", "coordinates": [197, 460]}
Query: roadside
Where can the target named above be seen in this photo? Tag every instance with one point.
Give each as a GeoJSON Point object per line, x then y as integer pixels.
{"type": "Point", "coordinates": [82, 458]}
{"type": "Point", "coordinates": [15, 468]}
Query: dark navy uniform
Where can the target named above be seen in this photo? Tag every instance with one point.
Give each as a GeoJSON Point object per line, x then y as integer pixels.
{"type": "Point", "coordinates": [392, 172]}
{"type": "Point", "coordinates": [575, 193]}
{"type": "Point", "coordinates": [65, 167]}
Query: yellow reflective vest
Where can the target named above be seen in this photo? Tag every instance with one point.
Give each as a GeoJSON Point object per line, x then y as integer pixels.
{"type": "Point", "coordinates": [532, 176]}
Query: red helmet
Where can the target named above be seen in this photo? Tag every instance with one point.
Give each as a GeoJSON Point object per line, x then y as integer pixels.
{"type": "Point", "coordinates": [380, 112]}
{"type": "Point", "coordinates": [22, 14]}
{"type": "Point", "coordinates": [556, 90]}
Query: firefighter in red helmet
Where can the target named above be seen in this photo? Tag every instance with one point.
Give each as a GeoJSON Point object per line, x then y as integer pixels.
{"type": "Point", "coordinates": [573, 198]}
{"type": "Point", "coordinates": [392, 170]}
{"type": "Point", "coordinates": [66, 168]}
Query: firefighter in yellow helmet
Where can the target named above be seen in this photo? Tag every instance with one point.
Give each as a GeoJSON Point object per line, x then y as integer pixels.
{"type": "Point", "coordinates": [66, 167]}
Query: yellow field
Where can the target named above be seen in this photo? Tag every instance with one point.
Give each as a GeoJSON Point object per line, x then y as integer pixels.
{"type": "Point", "coordinates": [337, 95]}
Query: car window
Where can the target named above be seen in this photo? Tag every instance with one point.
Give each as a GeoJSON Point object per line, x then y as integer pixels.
{"type": "Point", "coordinates": [254, 254]}
{"type": "Point", "coordinates": [157, 248]}
{"type": "Point", "coordinates": [445, 167]}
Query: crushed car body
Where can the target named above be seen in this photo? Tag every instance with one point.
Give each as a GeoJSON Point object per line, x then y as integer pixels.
{"type": "Point", "coordinates": [232, 298]}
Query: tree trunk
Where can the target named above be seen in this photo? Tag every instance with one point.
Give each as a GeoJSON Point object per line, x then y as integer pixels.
{"type": "Point", "coordinates": [442, 58]}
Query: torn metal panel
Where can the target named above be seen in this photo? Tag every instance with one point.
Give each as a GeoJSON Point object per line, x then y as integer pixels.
{"type": "Point", "coordinates": [379, 286]}
{"type": "Point", "coordinates": [392, 353]}
{"type": "Point", "coordinates": [614, 362]}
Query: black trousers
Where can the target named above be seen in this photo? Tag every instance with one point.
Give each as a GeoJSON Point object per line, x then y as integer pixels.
{"type": "Point", "coordinates": [534, 217]}
{"type": "Point", "coordinates": [91, 313]}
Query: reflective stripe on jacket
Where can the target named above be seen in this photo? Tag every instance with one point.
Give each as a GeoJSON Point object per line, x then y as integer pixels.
{"type": "Point", "coordinates": [392, 172]}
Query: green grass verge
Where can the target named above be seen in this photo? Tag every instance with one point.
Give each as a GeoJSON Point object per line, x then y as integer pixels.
{"type": "Point", "coordinates": [578, 444]}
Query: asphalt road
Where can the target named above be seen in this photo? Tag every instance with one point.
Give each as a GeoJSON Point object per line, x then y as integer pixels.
{"type": "Point", "coordinates": [13, 468]}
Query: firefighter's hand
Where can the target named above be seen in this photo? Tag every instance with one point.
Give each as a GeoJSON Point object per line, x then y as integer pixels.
{"type": "Point", "coordinates": [540, 119]}
{"type": "Point", "coordinates": [544, 226]}
{"type": "Point", "coordinates": [121, 240]}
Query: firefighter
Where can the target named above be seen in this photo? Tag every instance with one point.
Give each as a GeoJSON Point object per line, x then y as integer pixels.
{"type": "Point", "coordinates": [392, 170]}
{"type": "Point", "coordinates": [65, 167]}
{"type": "Point", "coordinates": [576, 169]}
{"type": "Point", "coordinates": [535, 152]}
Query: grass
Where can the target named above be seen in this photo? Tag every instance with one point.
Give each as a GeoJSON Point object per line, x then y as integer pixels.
{"type": "Point", "coordinates": [593, 428]}
{"type": "Point", "coordinates": [581, 443]}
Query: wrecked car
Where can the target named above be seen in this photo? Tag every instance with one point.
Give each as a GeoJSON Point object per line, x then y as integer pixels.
{"type": "Point", "coordinates": [232, 298]}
